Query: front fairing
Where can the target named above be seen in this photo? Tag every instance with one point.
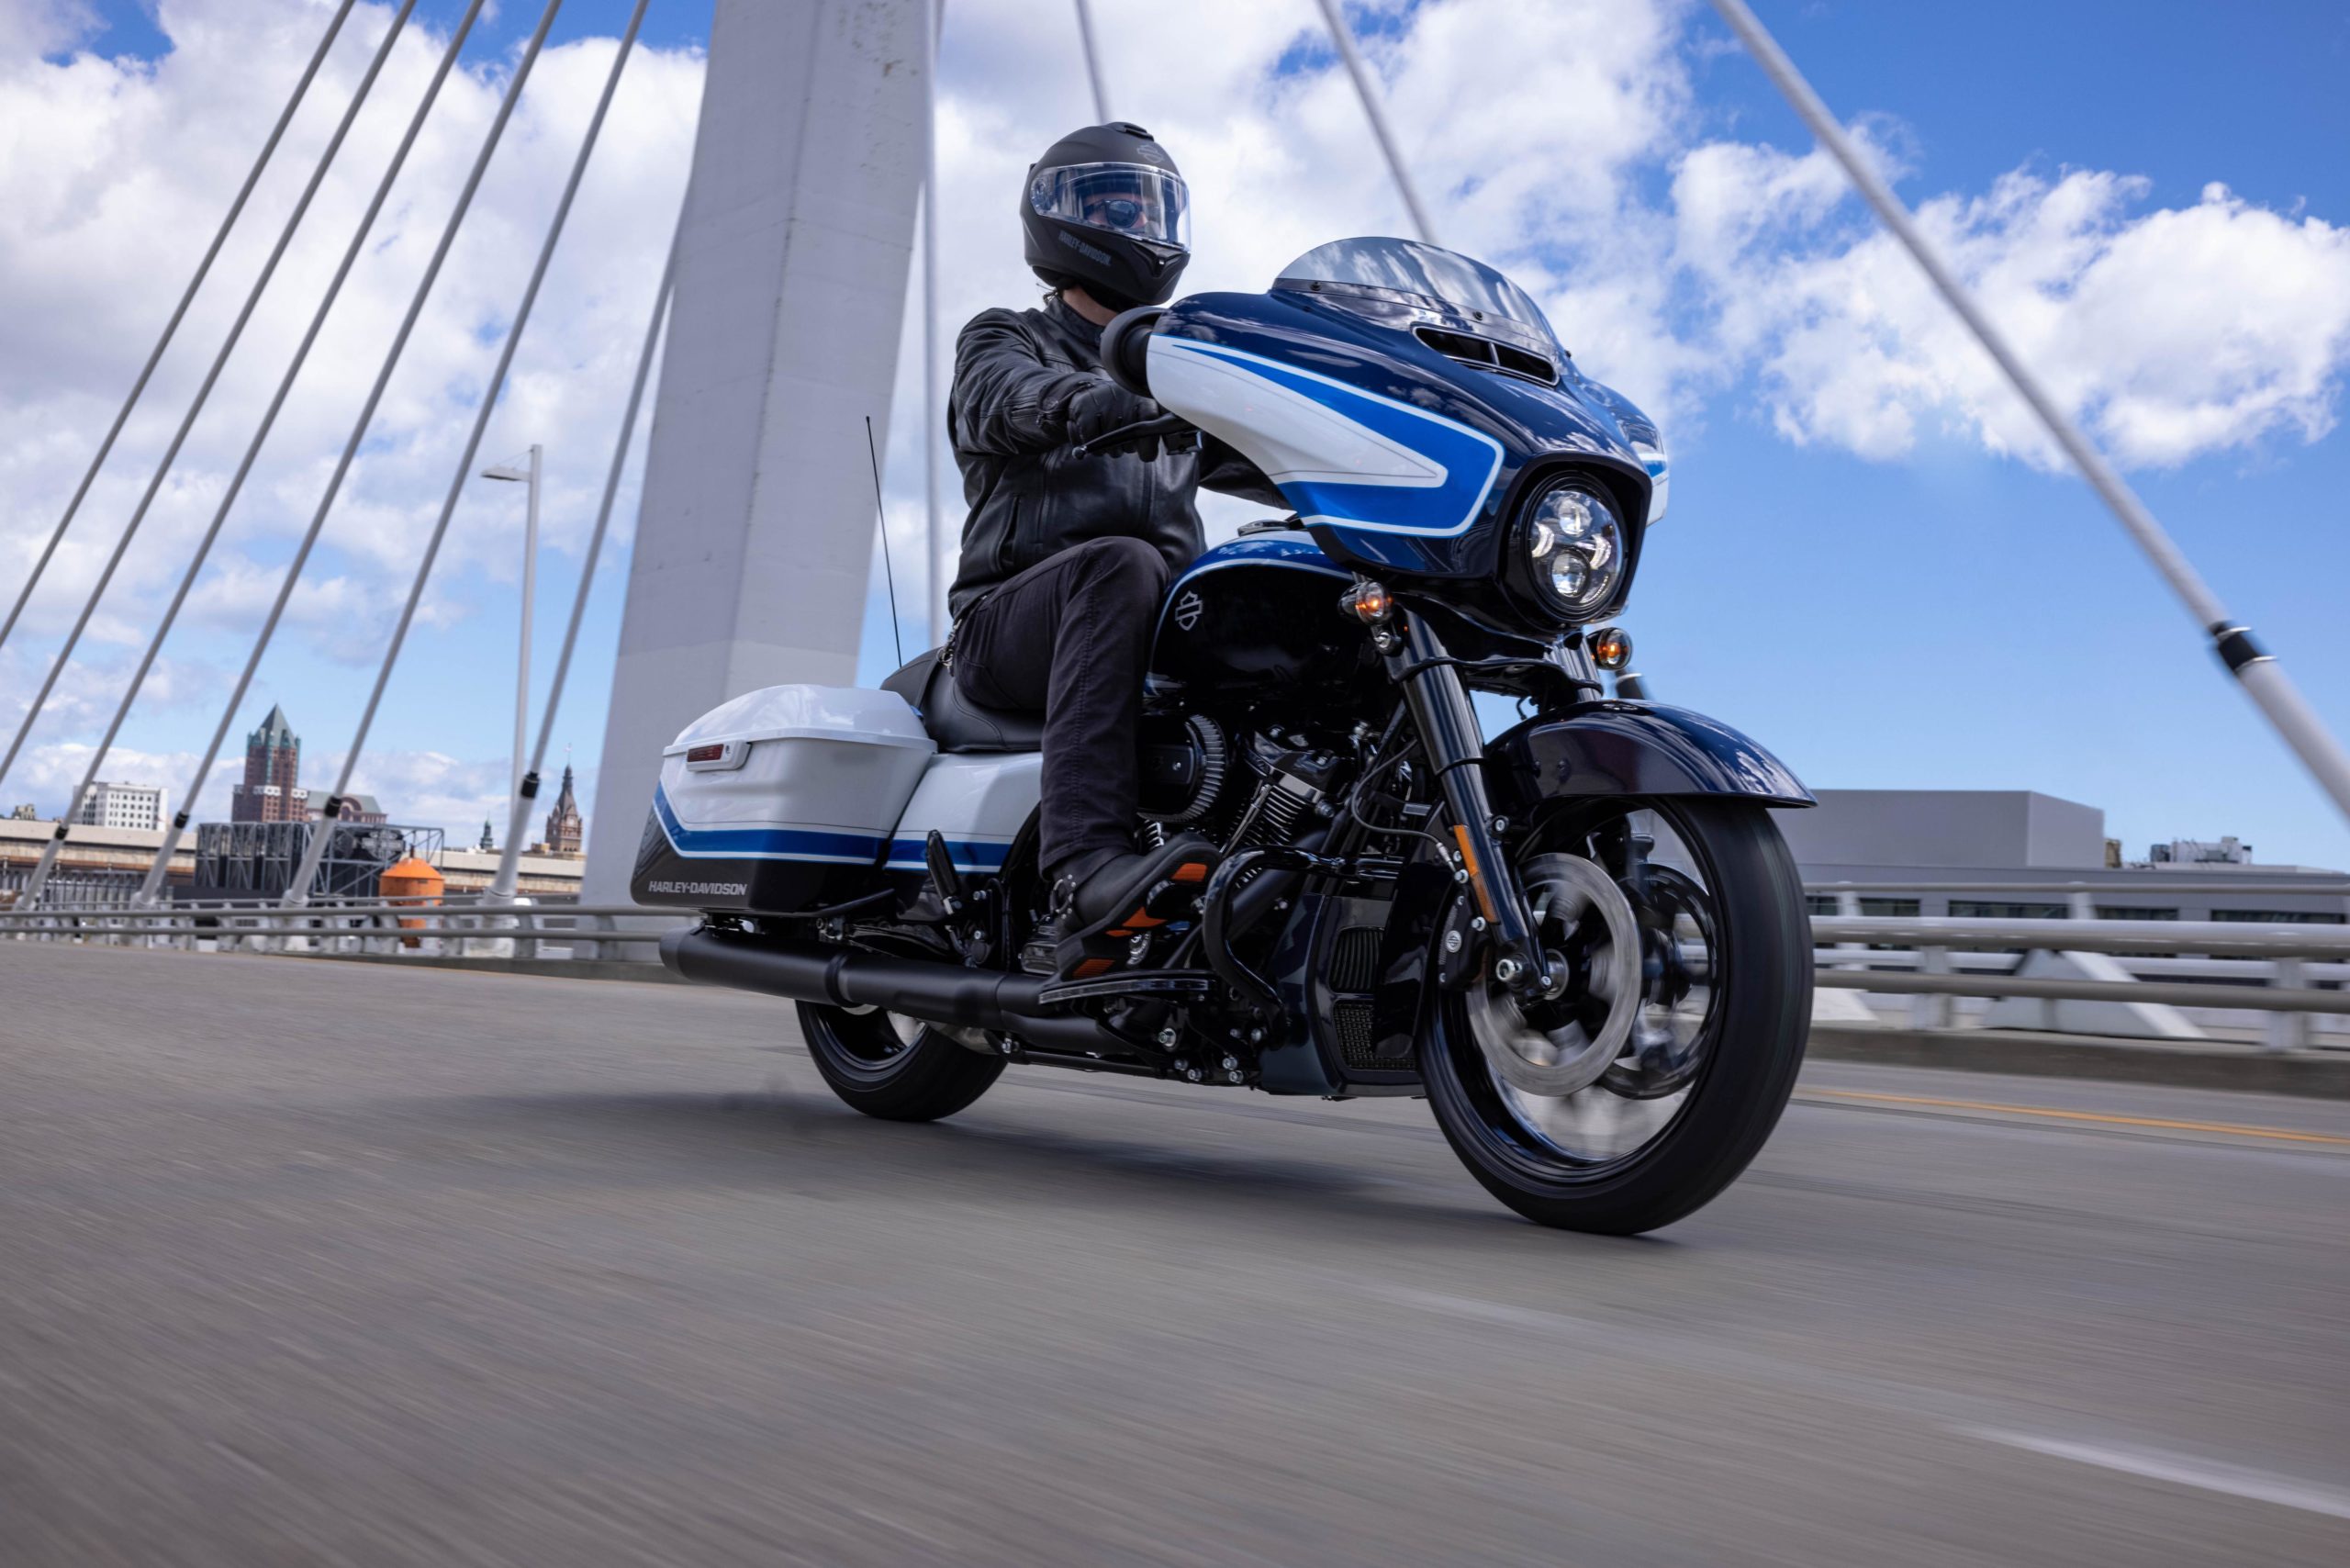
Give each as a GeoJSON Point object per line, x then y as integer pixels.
{"type": "Point", "coordinates": [1401, 461]}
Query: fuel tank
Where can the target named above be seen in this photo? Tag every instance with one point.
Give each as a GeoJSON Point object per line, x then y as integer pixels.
{"type": "Point", "coordinates": [1258, 616]}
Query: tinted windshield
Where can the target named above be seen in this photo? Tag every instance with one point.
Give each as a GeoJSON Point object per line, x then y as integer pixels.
{"type": "Point", "coordinates": [1406, 267]}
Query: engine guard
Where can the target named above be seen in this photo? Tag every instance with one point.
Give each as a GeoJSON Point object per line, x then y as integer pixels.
{"type": "Point", "coordinates": [1632, 749]}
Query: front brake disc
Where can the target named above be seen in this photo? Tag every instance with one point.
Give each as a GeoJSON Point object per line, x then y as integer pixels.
{"type": "Point", "coordinates": [1570, 892]}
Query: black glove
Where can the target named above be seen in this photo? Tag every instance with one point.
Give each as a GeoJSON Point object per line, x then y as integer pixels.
{"type": "Point", "coordinates": [1105, 407]}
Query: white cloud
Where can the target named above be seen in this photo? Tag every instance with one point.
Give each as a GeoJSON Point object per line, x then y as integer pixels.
{"type": "Point", "coordinates": [47, 775]}
{"type": "Point", "coordinates": [31, 28]}
{"type": "Point", "coordinates": [2173, 333]}
{"type": "Point", "coordinates": [113, 174]}
{"type": "Point", "coordinates": [87, 690]}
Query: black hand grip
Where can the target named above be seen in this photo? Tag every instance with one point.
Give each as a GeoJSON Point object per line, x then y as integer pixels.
{"type": "Point", "coordinates": [1125, 345]}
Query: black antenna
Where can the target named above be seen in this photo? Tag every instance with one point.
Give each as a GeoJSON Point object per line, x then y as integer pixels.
{"type": "Point", "coordinates": [881, 519]}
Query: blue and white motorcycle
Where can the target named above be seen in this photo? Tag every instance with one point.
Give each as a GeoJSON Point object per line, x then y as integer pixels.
{"type": "Point", "coordinates": [1581, 940]}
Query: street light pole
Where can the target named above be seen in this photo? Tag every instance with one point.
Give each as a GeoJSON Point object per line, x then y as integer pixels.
{"type": "Point", "coordinates": [529, 476]}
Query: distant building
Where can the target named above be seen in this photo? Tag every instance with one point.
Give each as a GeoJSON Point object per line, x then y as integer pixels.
{"type": "Point", "coordinates": [365, 810]}
{"type": "Point", "coordinates": [271, 792]}
{"type": "Point", "coordinates": [486, 845]}
{"type": "Point", "coordinates": [25, 813]}
{"type": "Point", "coordinates": [1962, 852]}
{"type": "Point", "coordinates": [140, 806]}
{"type": "Point", "coordinates": [2199, 852]}
{"type": "Point", "coordinates": [566, 830]}
{"type": "Point", "coordinates": [260, 860]}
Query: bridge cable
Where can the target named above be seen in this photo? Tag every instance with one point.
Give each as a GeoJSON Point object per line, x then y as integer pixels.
{"type": "Point", "coordinates": [203, 392]}
{"type": "Point", "coordinates": [268, 420]}
{"type": "Point", "coordinates": [203, 269]}
{"type": "Point", "coordinates": [2254, 669]}
{"type": "Point", "coordinates": [934, 581]}
{"type": "Point", "coordinates": [298, 893]}
{"type": "Point", "coordinates": [503, 886]}
{"type": "Point", "coordinates": [1373, 111]}
{"type": "Point", "coordinates": [1093, 61]}
{"type": "Point", "coordinates": [153, 885]}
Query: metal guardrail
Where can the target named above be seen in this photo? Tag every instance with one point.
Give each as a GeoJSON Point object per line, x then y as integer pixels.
{"type": "Point", "coordinates": [2215, 938]}
{"type": "Point", "coordinates": [2269, 968]}
{"type": "Point", "coordinates": [447, 928]}
{"type": "Point", "coordinates": [2238, 967]}
{"type": "Point", "coordinates": [2299, 884]}
{"type": "Point", "coordinates": [2292, 973]}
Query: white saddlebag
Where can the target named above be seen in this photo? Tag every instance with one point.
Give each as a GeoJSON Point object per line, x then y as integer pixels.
{"type": "Point", "coordinates": [765, 800]}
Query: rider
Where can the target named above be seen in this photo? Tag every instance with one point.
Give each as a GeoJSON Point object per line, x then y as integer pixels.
{"type": "Point", "coordinates": [1066, 557]}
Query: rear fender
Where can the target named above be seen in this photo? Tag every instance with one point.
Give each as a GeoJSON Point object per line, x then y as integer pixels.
{"type": "Point", "coordinates": [1631, 749]}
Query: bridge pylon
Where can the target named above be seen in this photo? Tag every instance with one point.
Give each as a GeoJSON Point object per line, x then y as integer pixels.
{"type": "Point", "coordinates": [756, 531]}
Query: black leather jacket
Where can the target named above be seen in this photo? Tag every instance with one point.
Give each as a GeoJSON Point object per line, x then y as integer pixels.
{"type": "Point", "coordinates": [1031, 496]}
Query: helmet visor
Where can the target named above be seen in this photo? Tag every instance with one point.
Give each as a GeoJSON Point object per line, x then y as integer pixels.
{"type": "Point", "coordinates": [1132, 199]}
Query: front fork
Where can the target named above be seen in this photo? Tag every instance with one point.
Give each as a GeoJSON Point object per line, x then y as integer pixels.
{"type": "Point", "coordinates": [1440, 706]}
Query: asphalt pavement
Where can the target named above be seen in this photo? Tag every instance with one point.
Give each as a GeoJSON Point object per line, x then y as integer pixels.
{"type": "Point", "coordinates": [318, 1263]}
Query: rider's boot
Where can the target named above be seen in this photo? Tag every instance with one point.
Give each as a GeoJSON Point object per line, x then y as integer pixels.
{"type": "Point", "coordinates": [1101, 906]}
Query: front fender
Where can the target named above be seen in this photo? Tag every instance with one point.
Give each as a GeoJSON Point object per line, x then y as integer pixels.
{"type": "Point", "coordinates": [1633, 748]}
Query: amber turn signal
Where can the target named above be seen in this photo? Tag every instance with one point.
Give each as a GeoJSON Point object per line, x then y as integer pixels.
{"type": "Point", "coordinates": [1610, 648]}
{"type": "Point", "coordinates": [1368, 602]}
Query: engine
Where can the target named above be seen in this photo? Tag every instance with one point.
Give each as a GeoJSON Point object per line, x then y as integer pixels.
{"type": "Point", "coordinates": [1243, 792]}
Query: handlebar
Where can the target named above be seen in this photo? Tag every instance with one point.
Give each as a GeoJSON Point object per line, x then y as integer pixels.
{"type": "Point", "coordinates": [1169, 428]}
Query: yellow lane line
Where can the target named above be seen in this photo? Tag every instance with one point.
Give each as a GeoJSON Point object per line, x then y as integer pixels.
{"type": "Point", "coordinates": [2230, 1129]}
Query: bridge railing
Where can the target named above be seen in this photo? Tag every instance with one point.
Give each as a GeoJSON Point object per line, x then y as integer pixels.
{"type": "Point", "coordinates": [459, 928]}
{"type": "Point", "coordinates": [2082, 895]}
{"type": "Point", "coordinates": [2292, 974]}
{"type": "Point", "coordinates": [2286, 978]}
{"type": "Point", "coordinates": [2294, 979]}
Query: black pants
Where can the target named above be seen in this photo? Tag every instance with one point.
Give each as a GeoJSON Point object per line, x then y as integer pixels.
{"type": "Point", "coordinates": [1071, 636]}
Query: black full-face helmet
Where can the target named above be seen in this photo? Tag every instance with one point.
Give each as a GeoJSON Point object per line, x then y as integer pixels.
{"type": "Point", "coordinates": [1105, 208]}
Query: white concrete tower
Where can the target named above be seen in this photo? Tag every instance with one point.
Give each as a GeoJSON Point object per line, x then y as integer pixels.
{"type": "Point", "coordinates": [757, 528]}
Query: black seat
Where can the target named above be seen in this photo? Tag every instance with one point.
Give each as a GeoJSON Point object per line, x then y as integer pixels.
{"type": "Point", "coordinates": [956, 722]}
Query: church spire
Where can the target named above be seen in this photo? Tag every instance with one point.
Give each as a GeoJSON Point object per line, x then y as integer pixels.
{"type": "Point", "coordinates": [566, 829]}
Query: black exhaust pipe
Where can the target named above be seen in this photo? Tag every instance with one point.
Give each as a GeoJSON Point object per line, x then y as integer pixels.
{"type": "Point", "coordinates": [919, 988]}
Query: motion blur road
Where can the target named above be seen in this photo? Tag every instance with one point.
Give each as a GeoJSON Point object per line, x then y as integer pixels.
{"type": "Point", "coordinates": [316, 1262]}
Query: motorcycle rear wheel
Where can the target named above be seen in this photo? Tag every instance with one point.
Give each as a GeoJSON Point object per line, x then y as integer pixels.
{"type": "Point", "coordinates": [1713, 1098]}
{"type": "Point", "coordinates": [897, 1068]}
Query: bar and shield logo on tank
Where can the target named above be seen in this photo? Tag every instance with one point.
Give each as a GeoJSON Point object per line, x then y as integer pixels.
{"type": "Point", "coordinates": [1187, 608]}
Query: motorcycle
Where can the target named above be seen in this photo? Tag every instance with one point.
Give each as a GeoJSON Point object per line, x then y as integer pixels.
{"type": "Point", "coordinates": [1582, 941]}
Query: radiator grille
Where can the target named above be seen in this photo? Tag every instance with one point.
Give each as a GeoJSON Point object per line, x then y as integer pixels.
{"type": "Point", "coordinates": [1357, 1045]}
{"type": "Point", "coordinates": [1354, 960]}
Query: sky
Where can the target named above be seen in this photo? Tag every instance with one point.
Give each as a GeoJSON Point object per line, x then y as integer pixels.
{"type": "Point", "coordinates": [1874, 561]}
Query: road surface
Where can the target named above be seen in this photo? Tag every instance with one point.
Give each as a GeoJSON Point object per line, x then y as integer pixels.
{"type": "Point", "coordinates": [323, 1263]}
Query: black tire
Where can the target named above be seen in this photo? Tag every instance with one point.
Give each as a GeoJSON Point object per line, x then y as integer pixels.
{"type": "Point", "coordinates": [1761, 1014]}
{"type": "Point", "coordinates": [874, 1068]}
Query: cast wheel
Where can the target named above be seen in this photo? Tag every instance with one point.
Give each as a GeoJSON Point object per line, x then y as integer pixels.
{"type": "Point", "coordinates": [1645, 1084]}
{"type": "Point", "coordinates": [896, 1068]}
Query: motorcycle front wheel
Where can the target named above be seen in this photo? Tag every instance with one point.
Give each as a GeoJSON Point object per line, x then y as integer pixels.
{"type": "Point", "coordinates": [1642, 1088]}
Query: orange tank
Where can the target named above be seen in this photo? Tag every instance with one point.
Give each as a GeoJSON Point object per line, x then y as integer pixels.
{"type": "Point", "coordinates": [411, 881]}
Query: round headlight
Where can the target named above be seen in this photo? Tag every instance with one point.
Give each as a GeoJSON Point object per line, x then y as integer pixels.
{"type": "Point", "coordinates": [1575, 545]}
